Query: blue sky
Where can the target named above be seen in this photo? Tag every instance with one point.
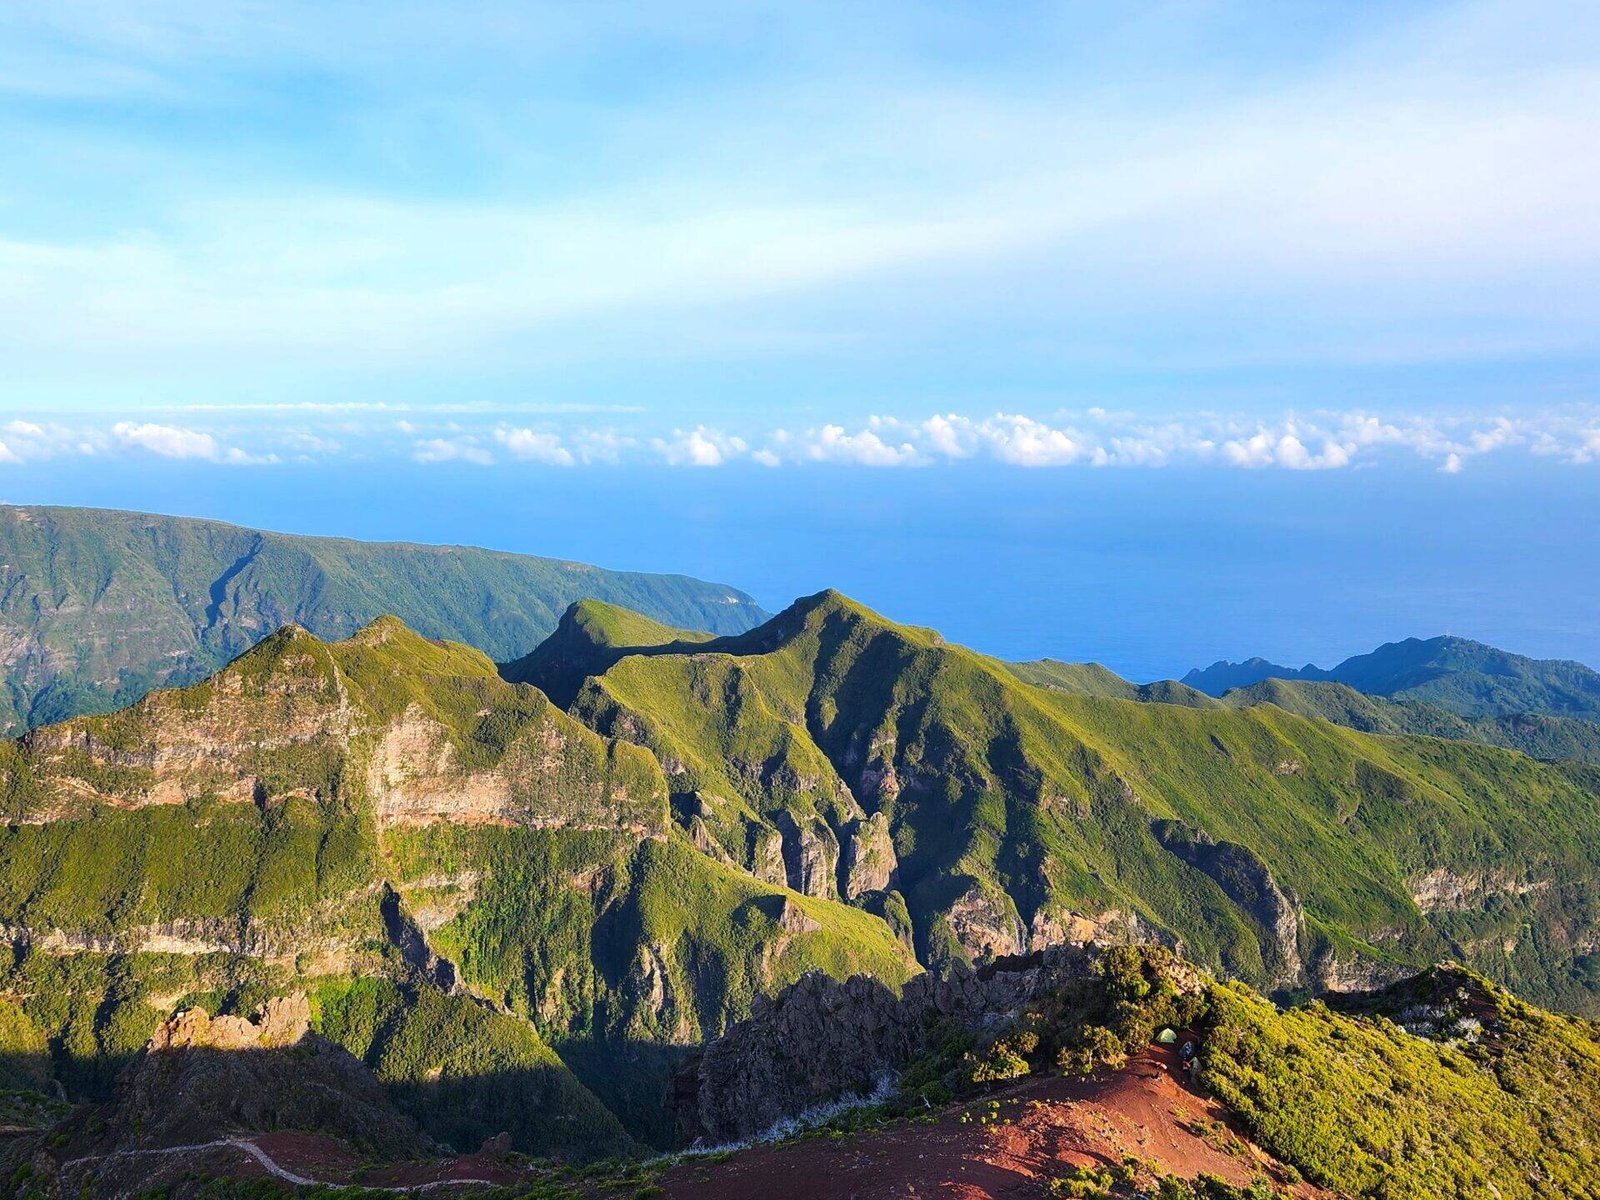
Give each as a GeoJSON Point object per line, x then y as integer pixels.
{"type": "Point", "coordinates": [477, 248]}
{"type": "Point", "coordinates": [551, 233]}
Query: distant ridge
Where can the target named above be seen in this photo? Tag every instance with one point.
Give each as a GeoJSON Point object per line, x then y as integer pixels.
{"type": "Point", "coordinates": [1465, 677]}
{"type": "Point", "coordinates": [97, 606]}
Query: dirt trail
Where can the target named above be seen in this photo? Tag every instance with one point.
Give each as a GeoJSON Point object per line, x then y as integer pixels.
{"type": "Point", "coordinates": [298, 1146]}
{"type": "Point", "coordinates": [1044, 1127]}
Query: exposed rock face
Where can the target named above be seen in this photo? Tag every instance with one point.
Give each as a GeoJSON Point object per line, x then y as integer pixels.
{"type": "Point", "coordinates": [868, 861]}
{"type": "Point", "coordinates": [1441, 890]}
{"type": "Point", "coordinates": [766, 858]}
{"type": "Point", "coordinates": [415, 778]}
{"type": "Point", "coordinates": [1110, 928]}
{"type": "Point", "coordinates": [1245, 880]}
{"type": "Point", "coordinates": [282, 1021]}
{"type": "Point", "coordinates": [809, 856]}
{"type": "Point", "coordinates": [408, 938]}
{"type": "Point", "coordinates": [985, 924]}
{"type": "Point", "coordinates": [822, 1039]}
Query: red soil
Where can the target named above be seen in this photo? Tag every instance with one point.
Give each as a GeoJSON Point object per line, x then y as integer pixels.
{"type": "Point", "coordinates": [1045, 1126]}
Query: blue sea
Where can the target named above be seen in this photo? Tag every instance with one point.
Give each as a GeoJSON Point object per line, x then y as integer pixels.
{"type": "Point", "coordinates": [1150, 572]}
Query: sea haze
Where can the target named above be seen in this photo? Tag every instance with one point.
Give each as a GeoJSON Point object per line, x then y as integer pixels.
{"type": "Point", "coordinates": [1148, 571]}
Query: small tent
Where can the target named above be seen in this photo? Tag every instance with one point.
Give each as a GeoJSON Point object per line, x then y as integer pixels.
{"type": "Point", "coordinates": [1167, 1037]}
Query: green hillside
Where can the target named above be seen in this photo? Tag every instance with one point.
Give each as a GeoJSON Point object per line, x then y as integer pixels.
{"type": "Point", "coordinates": [1445, 1086]}
{"type": "Point", "coordinates": [499, 904]}
{"type": "Point", "coordinates": [1461, 676]}
{"type": "Point", "coordinates": [97, 607]}
{"type": "Point", "coordinates": [1535, 734]}
{"type": "Point", "coordinates": [475, 889]}
{"type": "Point", "coordinates": [1285, 850]}
{"type": "Point", "coordinates": [1091, 679]}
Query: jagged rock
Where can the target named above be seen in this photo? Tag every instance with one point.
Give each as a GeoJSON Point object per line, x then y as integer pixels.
{"type": "Point", "coordinates": [822, 1039]}
{"type": "Point", "coordinates": [985, 924]}
{"type": "Point", "coordinates": [868, 859]}
{"type": "Point", "coordinates": [282, 1021]}
{"type": "Point", "coordinates": [809, 857]}
{"type": "Point", "coordinates": [766, 858]}
{"type": "Point", "coordinates": [792, 919]}
{"type": "Point", "coordinates": [1110, 928]}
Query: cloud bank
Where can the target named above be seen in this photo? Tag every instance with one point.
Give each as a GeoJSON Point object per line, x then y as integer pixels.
{"type": "Point", "coordinates": [1094, 438]}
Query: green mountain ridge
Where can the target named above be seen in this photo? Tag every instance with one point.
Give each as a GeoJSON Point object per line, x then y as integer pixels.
{"type": "Point", "coordinates": [1535, 734]}
{"type": "Point", "coordinates": [496, 903]}
{"type": "Point", "coordinates": [238, 838]}
{"type": "Point", "coordinates": [98, 607]}
{"type": "Point", "coordinates": [855, 758]}
{"type": "Point", "coordinates": [1464, 677]}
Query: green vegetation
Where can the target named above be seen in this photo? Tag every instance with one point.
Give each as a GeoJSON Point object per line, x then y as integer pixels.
{"type": "Point", "coordinates": [1274, 846]}
{"type": "Point", "coordinates": [625, 952]}
{"type": "Point", "coordinates": [1536, 734]}
{"type": "Point", "coordinates": [93, 596]}
{"type": "Point", "coordinates": [579, 895]}
{"type": "Point", "coordinates": [239, 821]}
{"type": "Point", "coordinates": [1461, 676]}
{"type": "Point", "coordinates": [1493, 1098]}
{"type": "Point", "coordinates": [464, 1071]}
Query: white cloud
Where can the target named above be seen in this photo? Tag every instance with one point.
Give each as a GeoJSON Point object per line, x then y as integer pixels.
{"type": "Point", "coordinates": [168, 441]}
{"type": "Point", "coordinates": [867, 448]}
{"type": "Point", "coordinates": [700, 447]}
{"type": "Point", "coordinates": [532, 446]}
{"type": "Point", "coordinates": [1320, 440]}
{"type": "Point", "coordinates": [439, 450]}
{"type": "Point", "coordinates": [1024, 442]}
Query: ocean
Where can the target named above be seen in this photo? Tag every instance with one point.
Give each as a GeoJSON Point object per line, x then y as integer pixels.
{"type": "Point", "coordinates": [1150, 572]}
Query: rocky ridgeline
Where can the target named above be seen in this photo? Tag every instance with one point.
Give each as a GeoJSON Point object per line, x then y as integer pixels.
{"type": "Point", "coordinates": [822, 1040]}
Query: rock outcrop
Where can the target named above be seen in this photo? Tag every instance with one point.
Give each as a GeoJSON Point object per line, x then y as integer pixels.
{"type": "Point", "coordinates": [868, 862]}
{"type": "Point", "coordinates": [822, 1039]}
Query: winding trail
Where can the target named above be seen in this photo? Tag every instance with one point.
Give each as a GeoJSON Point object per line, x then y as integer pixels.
{"type": "Point", "coordinates": [273, 1167]}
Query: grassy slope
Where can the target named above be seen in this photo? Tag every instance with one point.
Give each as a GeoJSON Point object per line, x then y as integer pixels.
{"type": "Point", "coordinates": [1535, 734]}
{"type": "Point", "coordinates": [1041, 801]}
{"type": "Point", "coordinates": [299, 874]}
{"type": "Point", "coordinates": [1538, 735]}
{"type": "Point", "coordinates": [1465, 677]}
{"type": "Point", "coordinates": [1500, 1099]}
{"type": "Point", "coordinates": [1091, 679]}
{"type": "Point", "coordinates": [109, 604]}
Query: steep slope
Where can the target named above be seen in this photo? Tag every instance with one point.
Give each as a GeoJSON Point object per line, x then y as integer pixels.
{"type": "Point", "coordinates": [590, 636]}
{"type": "Point", "coordinates": [97, 607]}
{"type": "Point", "coordinates": [1465, 677]}
{"type": "Point", "coordinates": [1091, 679]}
{"type": "Point", "coordinates": [852, 757]}
{"type": "Point", "coordinates": [1534, 734]}
{"type": "Point", "coordinates": [460, 875]}
{"type": "Point", "coordinates": [1444, 1086]}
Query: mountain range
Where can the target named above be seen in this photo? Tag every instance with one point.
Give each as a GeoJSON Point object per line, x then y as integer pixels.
{"type": "Point", "coordinates": [97, 606]}
{"type": "Point", "coordinates": [449, 900]}
{"type": "Point", "coordinates": [1461, 676]}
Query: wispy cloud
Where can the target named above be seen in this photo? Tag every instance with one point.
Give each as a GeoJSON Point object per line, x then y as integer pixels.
{"type": "Point", "coordinates": [1094, 438]}
{"type": "Point", "coordinates": [1416, 187]}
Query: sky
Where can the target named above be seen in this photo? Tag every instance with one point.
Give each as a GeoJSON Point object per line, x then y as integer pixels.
{"type": "Point", "coordinates": [256, 255]}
